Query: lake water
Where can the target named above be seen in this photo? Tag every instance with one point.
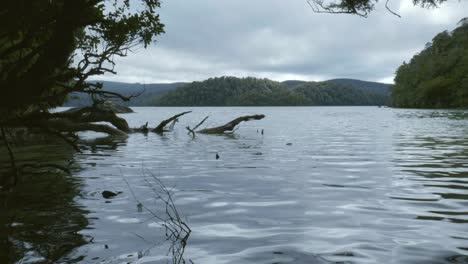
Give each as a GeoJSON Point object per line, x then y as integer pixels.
{"type": "Point", "coordinates": [320, 185]}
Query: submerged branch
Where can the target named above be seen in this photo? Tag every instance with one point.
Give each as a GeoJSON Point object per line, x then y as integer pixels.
{"type": "Point", "coordinates": [65, 125]}
{"type": "Point", "coordinates": [162, 125]}
{"type": "Point", "coordinates": [73, 121]}
{"type": "Point", "coordinates": [231, 125]}
{"type": "Point", "coordinates": [192, 130]}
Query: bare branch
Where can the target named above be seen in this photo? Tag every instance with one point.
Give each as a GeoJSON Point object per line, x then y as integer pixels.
{"type": "Point", "coordinates": [108, 94]}
{"type": "Point", "coordinates": [318, 6]}
{"type": "Point", "coordinates": [199, 124]}
{"type": "Point", "coordinates": [69, 126]}
{"type": "Point", "coordinates": [192, 131]}
{"type": "Point", "coordinates": [231, 125]}
{"type": "Point", "coordinates": [389, 10]}
{"type": "Point", "coordinates": [160, 127]}
{"type": "Point", "coordinates": [176, 230]}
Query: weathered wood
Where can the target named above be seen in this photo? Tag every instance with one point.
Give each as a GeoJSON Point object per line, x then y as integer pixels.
{"type": "Point", "coordinates": [199, 124]}
{"type": "Point", "coordinates": [160, 127]}
{"type": "Point", "coordinates": [64, 125]}
{"type": "Point", "coordinates": [81, 120]}
{"type": "Point", "coordinates": [192, 130]}
{"type": "Point", "coordinates": [231, 125]}
{"type": "Point", "coordinates": [144, 128]}
{"type": "Point", "coordinates": [88, 115]}
{"type": "Point", "coordinates": [104, 116]}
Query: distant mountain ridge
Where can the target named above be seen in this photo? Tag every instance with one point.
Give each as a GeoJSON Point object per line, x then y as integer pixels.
{"type": "Point", "coordinates": [148, 92]}
{"type": "Point", "coordinates": [375, 87]}
{"type": "Point", "coordinates": [233, 91]}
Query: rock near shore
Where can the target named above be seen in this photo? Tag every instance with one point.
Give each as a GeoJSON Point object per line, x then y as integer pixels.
{"type": "Point", "coordinates": [108, 106]}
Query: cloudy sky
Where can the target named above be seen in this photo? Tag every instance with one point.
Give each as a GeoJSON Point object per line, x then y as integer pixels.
{"type": "Point", "coordinates": [283, 40]}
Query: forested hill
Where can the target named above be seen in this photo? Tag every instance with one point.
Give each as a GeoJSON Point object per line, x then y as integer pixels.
{"type": "Point", "coordinates": [148, 92]}
{"type": "Point", "coordinates": [437, 77]}
{"type": "Point", "coordinates": [232, 91]}
{"type": "Point", "coordinates": [374, 87]}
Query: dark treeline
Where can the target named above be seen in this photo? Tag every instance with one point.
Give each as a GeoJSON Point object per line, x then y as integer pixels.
{"type": "Point", "coordinates": [233, 91]}
{"type": "Point", "coordinates": [437, 77]}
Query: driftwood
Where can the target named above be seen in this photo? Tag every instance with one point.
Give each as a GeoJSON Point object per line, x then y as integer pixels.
{"type": "Point", "coordinates": [71, 122]}
{"type": "Point", "coordinates": [104, 116]}
{"type": "Point", "coordinates": [192, 130]}
{"type": "Point", "coordinates": [231, 125]}
{"type": "Point", "coordinates": [82, 120]}
{"type": "Point", "coordinates": [163, 124]}
{"type": "Point", "coordinates": [63, 125]}
{"type": "Point", "coordinates": [144, 128]}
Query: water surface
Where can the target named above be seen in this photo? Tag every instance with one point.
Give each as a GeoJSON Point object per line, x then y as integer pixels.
{"type": "Point", "coordinates": [320, 185]}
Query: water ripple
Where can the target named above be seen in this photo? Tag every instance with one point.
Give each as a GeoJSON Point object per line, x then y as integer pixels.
{"type": "Point", "coordinates": [356, 185]}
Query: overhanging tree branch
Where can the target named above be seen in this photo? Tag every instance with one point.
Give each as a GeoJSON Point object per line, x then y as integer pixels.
{"type": "Point", "coordinates": [360, 7]}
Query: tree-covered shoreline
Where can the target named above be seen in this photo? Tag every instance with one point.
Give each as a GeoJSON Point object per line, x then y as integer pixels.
{"type": "Point", "coordinates": [233, 91]}
{"type": "Point", "coordinates": [436, 77]}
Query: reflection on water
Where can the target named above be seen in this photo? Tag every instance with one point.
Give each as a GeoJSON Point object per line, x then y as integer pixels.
{"type": "Point", "coordinates": [432, 171]}
{"type": "Point", "coordinates": [40, 218]}
{"type": "Point", "coordinates": [321, 185]}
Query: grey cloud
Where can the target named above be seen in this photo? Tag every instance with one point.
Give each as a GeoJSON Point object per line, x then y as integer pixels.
{"type": "Point", "coordinates": [280, 39]}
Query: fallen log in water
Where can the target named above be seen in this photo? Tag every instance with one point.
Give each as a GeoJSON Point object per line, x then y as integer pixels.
{"type": "Point", "coordinates": [163, 124]}
{"type": "Point", "coordinates": [192, 130]}
{"type": "Point", "coordinates": [229, 127]}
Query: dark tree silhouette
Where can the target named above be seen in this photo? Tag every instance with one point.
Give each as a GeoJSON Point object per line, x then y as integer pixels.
{"type": "Point", "coordinates": [49, 48]}
{"type": "Point", "coordinates": [361, 7]}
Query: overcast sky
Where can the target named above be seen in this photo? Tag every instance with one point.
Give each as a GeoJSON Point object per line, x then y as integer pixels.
{"type": "Point", "coordinates": [283, 40]}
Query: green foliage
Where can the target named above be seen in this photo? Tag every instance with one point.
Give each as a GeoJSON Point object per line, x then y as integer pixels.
{"type": "Point", "coordinates": [232, 91]}
{"type": "Point", "coordinates": [49, 48]}
{"type": "Point", "coordinates": [437, 76]}
{"type": "Point", "coordinates": [330, 93]}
